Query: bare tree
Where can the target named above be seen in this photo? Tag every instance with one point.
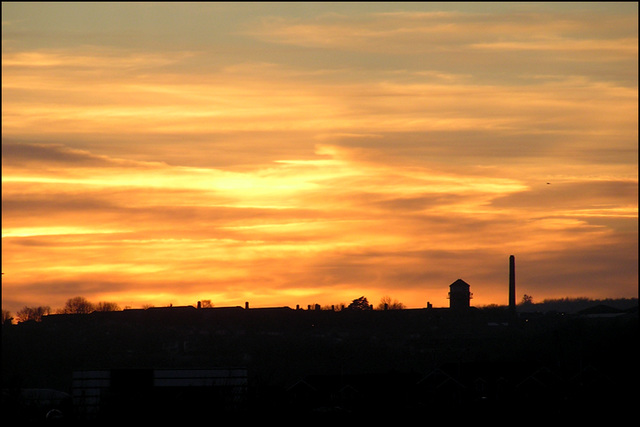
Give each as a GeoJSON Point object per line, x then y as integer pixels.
{"type": "Point", "coordinates": [527, 299]}
{"type": "Point", "coordinates": [6, 317]}
{"type": "Point", "coordinates": [386, 303]}
{"type": "Point", "coordinates": [107, 306]}
{"type": "Point", "coordinates": [77, 305]}
{"type": "Point", "coordinates": [32, 313]}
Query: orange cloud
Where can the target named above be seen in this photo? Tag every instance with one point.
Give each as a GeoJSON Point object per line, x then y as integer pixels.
{"type": "Point", "coordinates": [382, 154]}
{"type": "Point", "coordinates": [344, 224]}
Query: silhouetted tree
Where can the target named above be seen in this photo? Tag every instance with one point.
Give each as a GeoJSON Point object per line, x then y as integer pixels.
{"type": "Point", "coordinates": [6, 317]}
{"type": "Point", "coordinates": [32, 313]}
{"type": "Point", "coordinates": [527, 299]}
{"type": "Point", "coordinates": [107, 306]}
{"type": "Point", "coordinates": [388, 304]}
{"type": "Point", "coordinates": [77, 305]}
{"type": "Point", "coordinates": [359, 304]}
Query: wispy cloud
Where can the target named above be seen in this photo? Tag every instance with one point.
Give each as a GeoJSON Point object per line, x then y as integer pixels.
{"type": "Point", "coordinates": [415, 32]}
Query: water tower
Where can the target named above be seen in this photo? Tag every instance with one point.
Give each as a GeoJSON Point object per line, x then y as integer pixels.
{"type": "Point", "coordinates": [459, 295]}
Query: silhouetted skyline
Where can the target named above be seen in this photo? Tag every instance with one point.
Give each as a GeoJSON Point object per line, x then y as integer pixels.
{"type": "Point", "coordinates": [184, 363]}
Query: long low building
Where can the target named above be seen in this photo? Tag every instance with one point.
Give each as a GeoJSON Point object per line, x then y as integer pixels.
{"type": "Point", "coordinates": [153, 392]}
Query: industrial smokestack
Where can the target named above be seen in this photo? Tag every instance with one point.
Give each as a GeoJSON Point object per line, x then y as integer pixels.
{"type": "Point", "coordinates": [512, 283]}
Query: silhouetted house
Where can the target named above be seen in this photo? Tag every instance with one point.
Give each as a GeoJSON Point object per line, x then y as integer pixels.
{"type": "Point", "coordinates": [357, 392]}
{"type": "Point", "coordinates": [486, 382]}
{"type": "Point", "coordinates": [592, 387]}
{"type": "Point", "coordinates": [459, 295]}
{"type": "Point", "coordinates": [323, 393]}
{"type": "Point", "coordinates": [589, 379]}
{"type": "Point", "coordinates": [441, 388]}
{"type": "Point", "coordinates": [543, 386]}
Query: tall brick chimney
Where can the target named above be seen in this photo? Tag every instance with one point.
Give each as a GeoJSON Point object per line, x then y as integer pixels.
{"type": "Point", "coordinates": [512, 283]}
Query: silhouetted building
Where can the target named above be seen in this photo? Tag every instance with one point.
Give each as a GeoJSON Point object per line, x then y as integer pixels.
{"type": "Point", "coordinates": [459, 295]}
{"type": "Point", "coordinates": [344, 393]}
{"type": "Point", "coordinates": [144, 392]}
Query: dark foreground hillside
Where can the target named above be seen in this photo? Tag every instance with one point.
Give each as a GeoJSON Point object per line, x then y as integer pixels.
{"type": "Point", "coordinates": [183, 363]}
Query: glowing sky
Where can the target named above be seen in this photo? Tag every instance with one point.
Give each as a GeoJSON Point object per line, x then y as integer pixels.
{"type": "Point", "coordinates": [303, 153]}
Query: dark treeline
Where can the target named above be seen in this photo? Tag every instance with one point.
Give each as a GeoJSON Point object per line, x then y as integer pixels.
{"type": "Point", "coordinates": [574, 305]}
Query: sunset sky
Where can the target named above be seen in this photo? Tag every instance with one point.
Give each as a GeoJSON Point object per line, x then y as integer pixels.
{"type": "Point", "coordinates": [313, 153]}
